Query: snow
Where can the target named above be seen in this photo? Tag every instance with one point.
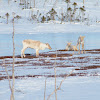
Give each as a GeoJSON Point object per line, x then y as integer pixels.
{"type": "Point", "coordinates": [56, 41]}
{"type": "Point", "coordinates": [49, 28]}
{"type": "Point", "coordinates": [57, 34]}
{"type": "Point", "coordinates": [72, 88]}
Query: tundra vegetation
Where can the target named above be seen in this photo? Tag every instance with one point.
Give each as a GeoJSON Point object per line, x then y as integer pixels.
{"type": "Point", "coordinates": [72, 12]}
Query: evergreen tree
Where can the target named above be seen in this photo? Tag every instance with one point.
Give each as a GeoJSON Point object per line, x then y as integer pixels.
{"type": "Point", "coordinates": [82, 10]}
{"type": "Point", "coordinates": [52, 13]}
{"type": "Point", "coordinates": [43, 19]}
{"type": "Point", "coordinates": [7, 15]}
{"type": "Point", "coordinates": [70, 13]}
{"type": "Point", "coordinates": [67, 1]}
{"type": "Point", "coordinates": [74, 4]}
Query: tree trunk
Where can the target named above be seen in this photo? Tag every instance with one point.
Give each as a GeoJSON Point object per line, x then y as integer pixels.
{"type": "Point", "coordinates": [83, 1]}
{"type": "Point", "coordinates": [8, 2]}
{"type": "Point", "coordinates": [7, 19]}
{"type": "Point", "coordinates": [55, 77]}
{"type": "Point", "coordinates": [30, 3]}
{"type": "Point", "coordinates": [34, 3]}
{"type": "Point", "coordinates": [27, 4]}
{"type": "Point", "coordinates": [67, 12]}
{"type": "Point", "coordinates": [13, 76]}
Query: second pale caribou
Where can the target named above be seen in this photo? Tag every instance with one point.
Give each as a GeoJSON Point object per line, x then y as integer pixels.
{"type": "Point", "coordinates": [81, 42]}
{"type": "Point", "coordinates": [71, 47]}
{"type": "Point", "coordinates": [37, 45]}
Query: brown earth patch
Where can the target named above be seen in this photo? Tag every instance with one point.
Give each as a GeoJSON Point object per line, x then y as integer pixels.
{"type": "Point", "coordinates": [88, 67]}
{"type": "Point", "coordinates": [93, 50]}
{"type": "Point", "coordinates": [43, 60]}
{"type": "Point", "coordinates": [62, 50]}
{"type": "Point", "coordinates": [21, 62]}
{"type": "Point", "coordinates": [29, 56]}
{"type": "Point", "coordinates": [61, 66]}
{"type": "Point", "coordinates": [3, 57]}
{"type": "Point", "coordinates": [85, 50]}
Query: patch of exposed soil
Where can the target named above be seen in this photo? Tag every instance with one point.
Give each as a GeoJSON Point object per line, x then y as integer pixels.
{"type": "Point", "coordinates": [93, 50]}
{"type": "Point", "coordinates": [46, 62]}
{"type": "Point", "coordinates": [88, 67]}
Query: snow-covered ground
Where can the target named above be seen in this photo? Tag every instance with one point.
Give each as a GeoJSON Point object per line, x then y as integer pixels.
{"type": "Point", "coordinates": [24, 25]}
{"type": "Point", "coordinates": [80, 88]}
{"type": "Point", "coordinates": [57, 35]}
{"type": "Point", "coordinates": [56, 41]}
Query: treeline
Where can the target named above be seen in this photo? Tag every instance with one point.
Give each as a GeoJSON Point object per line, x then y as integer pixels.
{"type": "Point", "coordinates": [72, 13]}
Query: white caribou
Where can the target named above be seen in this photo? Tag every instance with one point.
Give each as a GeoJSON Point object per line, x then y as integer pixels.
{"type": "Point", "coordinates": [71, 47]}
{"type": "Point", "coordinates": [37, 45]}
{"type": "Point", "coordinates": [80, 41]}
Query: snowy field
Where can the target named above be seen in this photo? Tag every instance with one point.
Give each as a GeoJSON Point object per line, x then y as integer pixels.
{"type": "Point", "coordinates": [31, 72]}
{"type": "Point", "coordinates": [80, 88]}
{"type": "Point", "coordinates": [56, 41]}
